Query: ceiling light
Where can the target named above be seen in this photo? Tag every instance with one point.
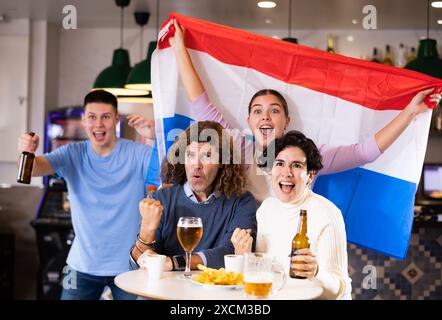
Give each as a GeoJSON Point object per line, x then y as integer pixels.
{"type": "Point", "coordinates": [136, 99]}
{"type": "Point", "coordinates": [350, 38]}
{"type": "Point", "coordinates": [139, 77]}
{"type": "Point", "coordinates": [354, 21]}
{"type": "Point", "coordinates": [439, 21]}
{"type": "Point", "coordinates": [427, 60]}
{"type": "Point", "coordinates": [266, 4]}
{"type": "Point", "coordinates": [436, 4]}
{"type": "Point", "coordinates": [290, 38]}
{"type": "Point", "coordinates": [268, 21]}
{"type": "Point", "coordinates": [113, 78]}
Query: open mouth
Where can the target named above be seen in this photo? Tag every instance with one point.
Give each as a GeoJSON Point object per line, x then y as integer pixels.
{"type": "Point", "coordinates": [286, 187]}
{"type": "Point", "coordinates": [99, 135]}
{"type": "Point", "coordinates": [197, 177]}
{"type": "Point", "coordinates": [266, 130]}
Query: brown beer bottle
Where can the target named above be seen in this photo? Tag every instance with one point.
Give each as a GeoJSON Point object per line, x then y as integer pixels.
{"type": "Point", "coordinates": [375, 57]}
{"type": "Point", "coordinates": [388, 57]}
{"type": "Point", "coordinates": [330, 46]}
{"type": "Point", "coordinates": [26, 165]}
{"type": "Point", "coordinates": [300, 241]}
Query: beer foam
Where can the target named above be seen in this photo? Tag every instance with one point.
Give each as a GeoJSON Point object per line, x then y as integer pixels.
{"type": "Point", "coordinates": [258, 277]}
{"type": "Point", "coordinates": [187, 224]}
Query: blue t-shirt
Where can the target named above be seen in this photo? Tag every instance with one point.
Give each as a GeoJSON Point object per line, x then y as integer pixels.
{"type": "Point", "coordinates": [104, 193]}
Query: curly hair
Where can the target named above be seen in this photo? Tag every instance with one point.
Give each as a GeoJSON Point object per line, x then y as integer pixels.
{"type": "Point", "coordinates": [231, 177]}
{"type": "Point", "coordinates": [295, 138]}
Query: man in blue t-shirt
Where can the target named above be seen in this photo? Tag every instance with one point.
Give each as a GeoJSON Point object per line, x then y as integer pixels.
{"type": "Point", "coordinates": [105, 177]}
{"type": "Point", "coordinates": [209, 183]}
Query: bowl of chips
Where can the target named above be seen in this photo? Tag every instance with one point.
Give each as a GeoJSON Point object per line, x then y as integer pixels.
{"type": "Point", "coordinates": [218, 278]}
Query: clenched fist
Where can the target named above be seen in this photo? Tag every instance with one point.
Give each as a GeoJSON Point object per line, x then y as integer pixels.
{"type": "Point", "coordinates": [28, 143]}
{"type": "Point", "coordinates": [143, 126]}
{"type": "Point", "coordinates": [151, 211]}
{"type": "Point", "coordinates": [242, 241]}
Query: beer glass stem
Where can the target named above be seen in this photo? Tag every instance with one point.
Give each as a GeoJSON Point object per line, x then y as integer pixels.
{"type": "Point", "coordinates": [187, 273]}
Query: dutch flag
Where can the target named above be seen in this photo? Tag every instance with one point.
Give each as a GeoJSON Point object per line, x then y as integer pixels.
{"type": "Point", "coordinates": [334, 100]}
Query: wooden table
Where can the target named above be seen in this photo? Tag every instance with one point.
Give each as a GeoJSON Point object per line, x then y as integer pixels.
{"type": "Point", "coordinates": [171, 288]}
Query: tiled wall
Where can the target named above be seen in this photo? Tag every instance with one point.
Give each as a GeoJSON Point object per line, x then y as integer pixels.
{"type": "Point", "coordinates": [417, 277]}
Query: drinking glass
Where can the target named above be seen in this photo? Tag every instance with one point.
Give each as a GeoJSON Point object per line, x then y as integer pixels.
{"type": "Point", "coordinates": [189, 233]}
{"type": "Point", "coordinates": [262, 275]}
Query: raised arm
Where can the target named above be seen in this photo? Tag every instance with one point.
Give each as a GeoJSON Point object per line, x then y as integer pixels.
{"type": "Point", "coordinates": [191, 80]}
{"type": "Point", "coordinates": [42, 167]}
{"type": "Point", "coordinates": [195, 90]}
{"type": "Point", "coordinates": [151, 211]}
{"type": "Point", "coordinates": [388, 134]}
{"type": "Point", "coordinates": [193, 85]}
{"type": "Point", "coordinates": [340, 158]}
{"type": "Point", "coordinates": [144, 127]}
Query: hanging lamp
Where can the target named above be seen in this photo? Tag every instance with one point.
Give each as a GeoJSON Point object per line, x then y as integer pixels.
{"type": "Point", "coordinates": [136, 99]}
{"type": "Point", "coordinates": [113, 78]}
{"type": "Point", "coordinates": [427, 60]}
{"type": "Point", "coordinates": [139, 77]}
{"type": "Point", "coordinates": [289, 38]}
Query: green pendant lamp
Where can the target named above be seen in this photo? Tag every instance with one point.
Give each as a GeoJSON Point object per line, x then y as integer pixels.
{"type": "Point", "coordinates": [139, 78]}
{"type": "Point", "coordinates": [113, 78]}
{"type": "Point", "coordinates": [137, 99]}
{"type": "Point", "coordinates": [427, 60]}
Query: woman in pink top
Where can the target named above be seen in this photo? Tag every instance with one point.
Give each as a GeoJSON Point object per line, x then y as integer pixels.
{"type": "Point", "coordinates": [268, 118]}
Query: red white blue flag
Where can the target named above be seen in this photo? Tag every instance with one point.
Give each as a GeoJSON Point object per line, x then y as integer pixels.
{"type": "Point", "coordinates": [333, 99]}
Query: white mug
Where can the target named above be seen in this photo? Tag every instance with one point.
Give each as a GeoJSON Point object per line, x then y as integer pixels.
{"type": "Point", "coordinates": [154, 265]}
{"type": "Point", "coordinates": [234, 262]}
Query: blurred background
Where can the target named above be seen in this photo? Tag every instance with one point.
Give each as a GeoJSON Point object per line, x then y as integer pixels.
{"type": "Point", "coordinates": [47, 66]}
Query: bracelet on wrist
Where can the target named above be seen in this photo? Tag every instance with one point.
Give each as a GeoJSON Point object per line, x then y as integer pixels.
{"type": "Point", "coordinates": [138, 248]}
{"type": "Point", "coordinates": [149, 244]}
{"type": "Point", "coordinates": [173, 262]}
{"type": "Point", "coordinates": [178, 263]}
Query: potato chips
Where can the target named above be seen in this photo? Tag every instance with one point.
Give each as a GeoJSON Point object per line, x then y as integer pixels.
{"type": "Point", "coordinates": [218, 276]}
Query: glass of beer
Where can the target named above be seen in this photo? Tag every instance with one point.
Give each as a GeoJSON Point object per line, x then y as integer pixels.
{"type": "Point", "coordinates": [189, 232]}
{"type": "Point", "coordinates": [261, 275]}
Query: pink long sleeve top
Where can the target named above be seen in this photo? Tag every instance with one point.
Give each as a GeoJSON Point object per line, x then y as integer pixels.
{"type": "Point", "coordinates": [334, 158]}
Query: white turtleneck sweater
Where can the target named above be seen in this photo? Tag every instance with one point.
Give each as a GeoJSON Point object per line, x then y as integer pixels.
{"type": "Point", "coordinates": [278, 224]}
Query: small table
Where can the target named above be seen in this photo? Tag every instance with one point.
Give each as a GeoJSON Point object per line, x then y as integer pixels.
{"type": "Point", "coordinates": [169, 287]}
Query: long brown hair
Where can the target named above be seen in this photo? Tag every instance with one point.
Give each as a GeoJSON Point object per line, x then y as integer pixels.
{"type": "Point", "coordinates": [231, 177]}
{"type": "Point", "coordinates": [265, 92]}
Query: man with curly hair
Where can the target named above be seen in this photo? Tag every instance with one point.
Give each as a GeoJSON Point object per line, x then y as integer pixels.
{"type": "Point", "coordinates": [208, 181]}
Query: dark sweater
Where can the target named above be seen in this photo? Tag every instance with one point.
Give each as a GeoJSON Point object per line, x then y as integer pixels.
{"type": "Point", "coordinates": [220, 218]}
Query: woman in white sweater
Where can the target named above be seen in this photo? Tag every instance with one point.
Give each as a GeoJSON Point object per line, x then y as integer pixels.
{"type": "Point", "coordinates": [297, 160]}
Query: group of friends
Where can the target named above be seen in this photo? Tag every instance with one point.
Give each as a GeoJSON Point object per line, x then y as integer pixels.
{"type": "Point", "coordinates": [244, 207]}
